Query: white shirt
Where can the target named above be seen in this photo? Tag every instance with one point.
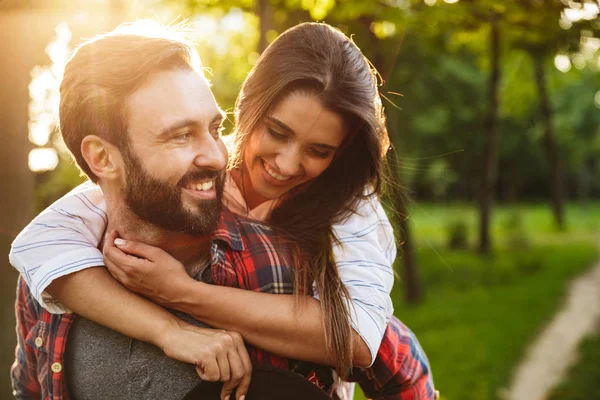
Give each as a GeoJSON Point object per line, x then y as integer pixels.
{"type": "Point", "coordinates": [64, 239]}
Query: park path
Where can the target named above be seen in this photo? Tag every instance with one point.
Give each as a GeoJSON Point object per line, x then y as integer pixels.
{"type": "Point", "coordinates": [555, 349]}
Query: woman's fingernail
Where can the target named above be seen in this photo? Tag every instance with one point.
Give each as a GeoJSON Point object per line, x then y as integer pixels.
{"type": "Point", "coordinates": [120, 242]}
{"type": "Point", "coordinates": [242, 397]}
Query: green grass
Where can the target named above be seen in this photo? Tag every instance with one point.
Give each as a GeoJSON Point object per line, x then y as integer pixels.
{"type": "Point", "coordinates": [583, 381]}
{"type": "Point", "coordinates": [480, 313]}
{"type": "Point", "coordinates": [429, 222]}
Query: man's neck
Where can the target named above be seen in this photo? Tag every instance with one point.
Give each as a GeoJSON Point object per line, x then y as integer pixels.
{"type": "Point", "coordinates": [187, 249]}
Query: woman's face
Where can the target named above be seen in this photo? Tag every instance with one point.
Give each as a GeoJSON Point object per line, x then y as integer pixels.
{"type": "Point", "coordinates": [292, 145]}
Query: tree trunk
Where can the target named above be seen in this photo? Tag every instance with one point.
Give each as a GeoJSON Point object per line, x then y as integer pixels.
{"type": "Point", "coordinates": [490, 150]}
{"type": "Point", "coordinates": [264, 23]}
{"type": "Point", "coordinates": [22, 47]}
{"type": "Point", "coordinates": [411, 283]}
{"type": "Point", "coordinates": [26, 31]}
{"type": "Point", "coordinates": [550, 146]}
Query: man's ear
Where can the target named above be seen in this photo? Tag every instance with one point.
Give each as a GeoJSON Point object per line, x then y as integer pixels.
{"type": "Point", "coordinates": [102, 157]}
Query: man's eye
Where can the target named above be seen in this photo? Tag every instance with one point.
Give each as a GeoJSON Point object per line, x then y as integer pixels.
{"type": "Point", "coordinates": [276, 135]}
{"type": "Point", "coordinates": [181, 136]}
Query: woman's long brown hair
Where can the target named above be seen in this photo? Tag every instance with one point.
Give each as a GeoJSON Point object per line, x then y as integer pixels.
{"type": "Point", "coordinates": [317, 59]}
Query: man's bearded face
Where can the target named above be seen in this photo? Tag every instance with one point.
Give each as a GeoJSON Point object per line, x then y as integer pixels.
{"type": "Point", "coordinates": [161, 203]}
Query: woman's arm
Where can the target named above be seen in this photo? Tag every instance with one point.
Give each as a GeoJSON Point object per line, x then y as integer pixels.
{"type": "Point", "coordinates": [61, 240]}
{"type": "Point", "coordinates": [364, 256]}
{"type": "Point", "coordinates": [282, 324]}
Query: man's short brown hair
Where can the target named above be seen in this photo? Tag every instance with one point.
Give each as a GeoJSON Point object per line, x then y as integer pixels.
{"type": "Point", "coordinates": [104, 71]}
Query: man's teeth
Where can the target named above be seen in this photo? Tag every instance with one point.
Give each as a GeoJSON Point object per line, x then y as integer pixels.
{"type": "Point", "coordinates": [200, 186]}
{"type": "Point", "coordinates": [275, 174]}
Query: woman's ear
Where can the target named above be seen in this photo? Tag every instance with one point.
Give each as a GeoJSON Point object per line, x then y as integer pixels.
{"type": "Point", "coordinates": [103, 158]}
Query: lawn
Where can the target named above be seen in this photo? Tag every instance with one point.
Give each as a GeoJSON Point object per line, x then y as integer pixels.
{"type": "Point", "coordinates": [480, 313]}
{"type": "Point", "coordinates": [583, 381]}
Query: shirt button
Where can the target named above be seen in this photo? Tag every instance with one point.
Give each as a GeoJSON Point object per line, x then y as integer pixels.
{"type": "Point", "coordinates": [56, 368]}
{"type": "Point", "coordinates": [39, 342]}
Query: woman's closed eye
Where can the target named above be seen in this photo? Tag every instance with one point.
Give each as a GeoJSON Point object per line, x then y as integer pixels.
{"type": "Point", "coordinates": [276, 135]}
{"type": "Point", "coordinates": [319, 153]}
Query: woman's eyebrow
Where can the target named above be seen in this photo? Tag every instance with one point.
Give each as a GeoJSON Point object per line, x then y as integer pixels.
{"type": "Point", "coordinates": [281, 124]}
{"type": "Point", "coordinates": [325, 146]}
{"type": "Point", "coordinates": [291, 132]}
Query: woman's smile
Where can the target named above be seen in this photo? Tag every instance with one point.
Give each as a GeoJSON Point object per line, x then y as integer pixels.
{"type": "Point", "coordinates": [273, 177]}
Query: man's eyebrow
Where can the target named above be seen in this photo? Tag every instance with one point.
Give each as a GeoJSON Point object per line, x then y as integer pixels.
{"type": "Point", "coordinates": [176, 126]}
{"type": "Point", "coordinates": [217, 119]}
{"type": "Point", "coordinates": [291, 132]}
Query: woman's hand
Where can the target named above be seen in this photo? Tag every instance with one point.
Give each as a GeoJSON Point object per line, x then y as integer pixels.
{"type": "Point", "coordinates": [218, 355]}
{"type": "Point", "coordinates": [144, 269]}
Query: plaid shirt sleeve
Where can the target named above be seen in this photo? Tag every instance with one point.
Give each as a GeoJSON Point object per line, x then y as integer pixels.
{"type": "Point", "coordinates": [24, 370]}
{"type": "Point", "coordinates": [401, 370]}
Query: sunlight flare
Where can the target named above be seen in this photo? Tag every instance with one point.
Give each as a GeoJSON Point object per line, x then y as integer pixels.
{"type": "Point", "coordinates": [43, 159]}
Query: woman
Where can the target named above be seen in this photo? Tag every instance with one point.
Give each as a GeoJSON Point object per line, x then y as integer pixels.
{"type": "Point", "coordinates": [309, 126]}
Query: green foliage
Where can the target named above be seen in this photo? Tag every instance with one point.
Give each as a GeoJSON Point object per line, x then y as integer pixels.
{"type": "Point", "coordinates": [514, 231]}
{"type": "Point", "coordinates": [54, 184]}
{"type": "Point", "coordinates": [458, 235]}
{"type": "Point", "coordinates": [437, 58]}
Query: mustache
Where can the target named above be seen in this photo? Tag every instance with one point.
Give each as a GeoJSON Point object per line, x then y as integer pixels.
{"type": "Point", "coordinates": [199, 175]}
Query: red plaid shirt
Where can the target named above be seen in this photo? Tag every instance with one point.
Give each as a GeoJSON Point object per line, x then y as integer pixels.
{"type": "Point", "coordinates": [243, 255]}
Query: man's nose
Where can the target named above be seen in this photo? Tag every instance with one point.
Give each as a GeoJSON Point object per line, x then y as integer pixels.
{"type": "Point", "coordinates": [210, 153]}
{"type": "Point", "coordinates": [289, 161]}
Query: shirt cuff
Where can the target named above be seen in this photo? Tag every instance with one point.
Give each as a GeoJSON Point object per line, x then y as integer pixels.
{"type": "Point", "coordinates": [65, 264]}
{"type": "Point", "coordinates": [369, 325]}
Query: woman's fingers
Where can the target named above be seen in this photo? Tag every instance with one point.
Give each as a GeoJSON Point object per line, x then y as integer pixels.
{"type": "Point", "coordinates": [223, 363]}
{"type": "Point", "coordinates": [209, 370]}
{"type": "Point", "coordinates": [114, 270]}
{"type": "Point", "coordinates": [138, 249]}
{"type": "Point", "coordinates": [240, 366]}
{"type": "Point", "coordinates": [126, 263]}
{"type": "Point", "coordinates": [218, 356]}
{"type": "Point", "coordinates": [245, 360]}
{"type": "Point", "coordinates": [238, 379]}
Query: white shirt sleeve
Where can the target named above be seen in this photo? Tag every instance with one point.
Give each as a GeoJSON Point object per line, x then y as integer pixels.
{"type": "Point", "coordinates": [364, 260]}
{"type": "Point", "coordinates": [63, 239]}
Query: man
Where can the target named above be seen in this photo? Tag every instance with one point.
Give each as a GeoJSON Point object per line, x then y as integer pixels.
{"type": "Point", "coordinates": [141, 122]}
{"type": "Point", "coordinates": [105, 124]}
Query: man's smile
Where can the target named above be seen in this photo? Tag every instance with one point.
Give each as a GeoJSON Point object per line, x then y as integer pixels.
{"type": "Point", "coordinates": [203, 189]}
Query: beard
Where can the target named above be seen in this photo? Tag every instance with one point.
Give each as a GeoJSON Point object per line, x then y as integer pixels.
{"type": "Point", "coordinates": [161, 204]}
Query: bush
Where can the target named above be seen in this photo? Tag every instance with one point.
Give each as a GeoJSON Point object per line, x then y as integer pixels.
{"type": "Point", "coordinates": [514, 230]}
{"type": "Point", "coordinates": [458, 235]}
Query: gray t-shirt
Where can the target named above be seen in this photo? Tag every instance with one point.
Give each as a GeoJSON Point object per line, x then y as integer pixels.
{"type": "Point", "coordinates": [103, 364]}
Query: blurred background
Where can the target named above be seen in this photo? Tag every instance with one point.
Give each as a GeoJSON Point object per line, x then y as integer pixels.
{"type": "Point", "coordinates": [493, 107]}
